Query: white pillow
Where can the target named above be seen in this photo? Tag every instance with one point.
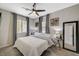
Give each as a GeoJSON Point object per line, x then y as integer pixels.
{"type": "Point", "coordinates": [42, 35]}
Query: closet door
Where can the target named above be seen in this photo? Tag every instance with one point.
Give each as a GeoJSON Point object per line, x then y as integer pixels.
{"type": "Point", "coordinates": [70, 36]}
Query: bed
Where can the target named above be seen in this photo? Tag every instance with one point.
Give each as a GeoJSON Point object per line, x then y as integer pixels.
{"type": "Point", "coordinates": [32, 45]}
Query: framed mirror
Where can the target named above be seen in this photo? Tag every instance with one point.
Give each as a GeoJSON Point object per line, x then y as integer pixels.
{"type": "Point", "coordinates": [70, 36]}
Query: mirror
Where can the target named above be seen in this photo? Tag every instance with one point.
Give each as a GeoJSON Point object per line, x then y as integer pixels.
{"type": "Point", "coordinates": [69, 36]}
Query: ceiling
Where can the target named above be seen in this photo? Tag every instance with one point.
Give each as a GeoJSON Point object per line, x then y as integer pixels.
{"type": "Point", "coordinates": [49, 7]}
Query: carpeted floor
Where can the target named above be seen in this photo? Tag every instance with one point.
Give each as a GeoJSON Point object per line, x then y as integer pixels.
{"type": "Point", "coordinates": [52, 51]}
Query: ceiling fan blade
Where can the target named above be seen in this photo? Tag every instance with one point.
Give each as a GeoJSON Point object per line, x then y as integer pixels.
{"type": "Point", "coordinates": [39, 10]}
{"type": "Point", "coordinates": [34, 4]}
{"type": "Point", "coordinates": [37, 14]}
{"type": "Point", "coordinates": [30, 13]}
{"type": "Point", "coordinates": [27, 9]}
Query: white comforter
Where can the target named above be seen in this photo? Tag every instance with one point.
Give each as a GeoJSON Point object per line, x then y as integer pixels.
{"type": "Point", "coordinates": [31, 46]}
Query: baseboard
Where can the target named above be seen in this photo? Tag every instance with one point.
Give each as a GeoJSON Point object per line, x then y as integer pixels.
{"type": "Point", "coordinates": [3, 46]}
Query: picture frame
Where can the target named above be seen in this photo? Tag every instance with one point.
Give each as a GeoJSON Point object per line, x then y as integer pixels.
{"type": "Point", "coordinates": [54, 21]}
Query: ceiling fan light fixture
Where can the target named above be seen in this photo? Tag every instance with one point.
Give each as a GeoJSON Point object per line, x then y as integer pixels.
{"type": "Point", "coordinates": [34, 11]}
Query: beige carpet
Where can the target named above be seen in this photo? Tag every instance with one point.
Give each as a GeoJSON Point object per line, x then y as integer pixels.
{"type": "Point", "coordinates": [53, 51]}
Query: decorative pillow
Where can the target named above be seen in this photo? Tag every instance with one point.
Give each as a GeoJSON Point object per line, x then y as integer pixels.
{"type": "Point", "coordinates": [42, 35]}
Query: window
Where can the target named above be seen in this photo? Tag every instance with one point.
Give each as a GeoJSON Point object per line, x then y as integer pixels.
{"type": "Point", "coordinates": [18, 26]}
{"type": "Point", "coordinates": [24, 27]}
{"type": "Point", "coordinates": [21, 26]}
{"type": "Point", "coordinates": [44, 25]}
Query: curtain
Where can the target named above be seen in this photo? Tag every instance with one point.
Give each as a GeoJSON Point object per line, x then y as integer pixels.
{"type": "Point", "coordinates": [47, 23]}
{"type": "Point", "coordinates": [40, 24]}
{"type": "Point", "coordinates": [14, 27]}
{"type": "Point", "coordinates": [27, 18]}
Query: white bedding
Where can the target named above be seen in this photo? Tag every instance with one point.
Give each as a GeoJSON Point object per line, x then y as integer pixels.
{"type": "Point", "coordinates": [44, 36]}
{"type": "Point", "coordinates": [31, 46]}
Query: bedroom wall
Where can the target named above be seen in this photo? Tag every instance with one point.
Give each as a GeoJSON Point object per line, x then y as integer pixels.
{"type": "Point", "coordinates": [67, 14]}
{"type": "Point", "coordinates": [6, 29]}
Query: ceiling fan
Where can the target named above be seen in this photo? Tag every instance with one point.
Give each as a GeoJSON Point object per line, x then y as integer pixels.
{"type": "Point", "coordinates": [33, 10]}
